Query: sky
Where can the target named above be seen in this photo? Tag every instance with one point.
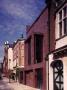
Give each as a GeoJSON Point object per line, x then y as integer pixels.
{"type": "Point", "coordinates": [14, 16]}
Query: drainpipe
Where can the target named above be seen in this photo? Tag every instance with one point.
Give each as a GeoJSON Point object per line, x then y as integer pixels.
{"type": "Point", "coordinates": [48, 39]}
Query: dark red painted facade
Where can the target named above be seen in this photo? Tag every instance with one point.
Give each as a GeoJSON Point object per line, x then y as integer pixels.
{"type": "Point", "coordinates": [35, 71]}
{"type": "Point", "coordinates": [52, 10]}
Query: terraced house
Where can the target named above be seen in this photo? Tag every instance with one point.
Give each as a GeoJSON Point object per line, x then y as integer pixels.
{"type": "Point", "coordinates": [18, 59]}
{"type": "Point", "coordinates": [8, 59]}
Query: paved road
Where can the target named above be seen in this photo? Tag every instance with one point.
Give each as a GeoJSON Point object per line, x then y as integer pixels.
{"type": "Point", "coordinates": [5, 85]}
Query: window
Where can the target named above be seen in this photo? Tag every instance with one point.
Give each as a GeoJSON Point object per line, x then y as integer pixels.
{"type": "Point", "coordinates": [59, 2]}
{"type": "Point", "coordinates": [65, 26]}
{"type": "Point", "coordinates": [62, 21]}
{"type": "Point", "coordinates": [38, 48]}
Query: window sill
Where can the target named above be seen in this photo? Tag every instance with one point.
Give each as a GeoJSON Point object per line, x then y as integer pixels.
{"type": "Point", "coordinates": [61, 37]}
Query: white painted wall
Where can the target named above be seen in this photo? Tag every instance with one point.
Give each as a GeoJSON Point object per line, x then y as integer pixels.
{"type": "Point", "coordinates": [64, 59]}
{"type": "Point", "coordinates": [57, 26]}
{"type": "Point", "coordinates": [10, 58]}
{"type": "Point", "coordinates": [47, 74]}
{"type": "Point", "coordinates": [60, 43]}
{"type": "Point", "coordinates": [50, 72]}
{"type": "Point", "coordinates": [14, 63]}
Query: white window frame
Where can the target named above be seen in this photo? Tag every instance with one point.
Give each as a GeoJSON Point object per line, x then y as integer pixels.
{"type": "Point", "coordinates": [57, 30]}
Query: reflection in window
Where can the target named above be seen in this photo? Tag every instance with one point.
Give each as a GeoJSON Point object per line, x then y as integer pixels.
{"type": "Point", "coordinates": [65, 26]}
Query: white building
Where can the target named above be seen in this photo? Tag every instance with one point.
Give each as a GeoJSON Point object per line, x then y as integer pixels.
{"type": "Point", "coordinates": [10, 58]}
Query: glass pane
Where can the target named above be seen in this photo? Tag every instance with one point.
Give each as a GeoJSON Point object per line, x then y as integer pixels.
{"type": "Point", "coordinates": [60, 15]}
{"type": "Point", "coordinates": [65, 11]}
{"type": "Point", "coordinates": [65, 25]}
{"type": "Point", "coordinates": [60, 29]}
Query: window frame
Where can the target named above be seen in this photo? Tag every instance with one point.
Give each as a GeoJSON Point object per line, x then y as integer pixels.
{"type": "Point", "coordinates": [61, 20]}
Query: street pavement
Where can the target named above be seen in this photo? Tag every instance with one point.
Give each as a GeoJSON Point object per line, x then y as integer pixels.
{"type": "Point", "coordinates": [5, 85]}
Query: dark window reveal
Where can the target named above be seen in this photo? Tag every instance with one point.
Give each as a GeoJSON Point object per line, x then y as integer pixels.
{"type": "Point", "coordinates": [38, 48]}
{"type": "Point", "coordinates": [63, 21]}
{"type": "Point", "coordinates": [65, 26]}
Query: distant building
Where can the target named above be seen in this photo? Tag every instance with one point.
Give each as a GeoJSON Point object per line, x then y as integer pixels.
{"type": "Point", "coordinates": [8, 59]}
{"type": "Point", "coordinates": [5, 60]}
{"type": "Point", "coordinates": [18, 58]}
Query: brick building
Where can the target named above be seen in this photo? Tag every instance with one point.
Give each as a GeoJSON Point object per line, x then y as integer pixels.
{"type": "Point", "coordinates": [57, 58]}
{"type": "Point", "coordinates": [36, 49]}
{"type": "Point", "coordinates": [18, 58]}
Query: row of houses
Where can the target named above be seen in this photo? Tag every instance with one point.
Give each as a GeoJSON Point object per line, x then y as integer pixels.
{"type": "Point", "coordinates": [41, 59]}
{"type": "Point", "coordinates": [13, 57]}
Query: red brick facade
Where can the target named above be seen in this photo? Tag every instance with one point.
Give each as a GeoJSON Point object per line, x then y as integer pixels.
{"type": "Point", "coordinates": [34, 68]}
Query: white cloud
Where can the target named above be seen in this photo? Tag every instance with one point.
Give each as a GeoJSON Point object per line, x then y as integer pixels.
{"type": "Point", "coordinates": [16, 14]}
{"type": "Point", "coordinates": [23, 9]}
{"type": "Point", "coordinates": [16, 9]}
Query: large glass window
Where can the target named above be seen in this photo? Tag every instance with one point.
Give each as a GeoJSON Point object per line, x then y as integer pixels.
{"type": "Point", "coordinates": [62, 21]}
{"type": "Point", "coordinates": [38, 48]}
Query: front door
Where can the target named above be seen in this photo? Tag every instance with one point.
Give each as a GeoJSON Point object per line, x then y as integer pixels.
{"type": "Point", "coordinates": [58, 76]}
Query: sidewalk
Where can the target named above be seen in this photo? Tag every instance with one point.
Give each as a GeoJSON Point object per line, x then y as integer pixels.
{"type": "Point", "coordinates": [18, 86]}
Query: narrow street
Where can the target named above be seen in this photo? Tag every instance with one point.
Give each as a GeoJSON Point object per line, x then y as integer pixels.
{"type": "Point", "coordinates": [5, 85]}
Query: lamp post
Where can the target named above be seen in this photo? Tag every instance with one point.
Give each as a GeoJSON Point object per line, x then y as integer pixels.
{"type": "Point", "coordinates": [9, 69]}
